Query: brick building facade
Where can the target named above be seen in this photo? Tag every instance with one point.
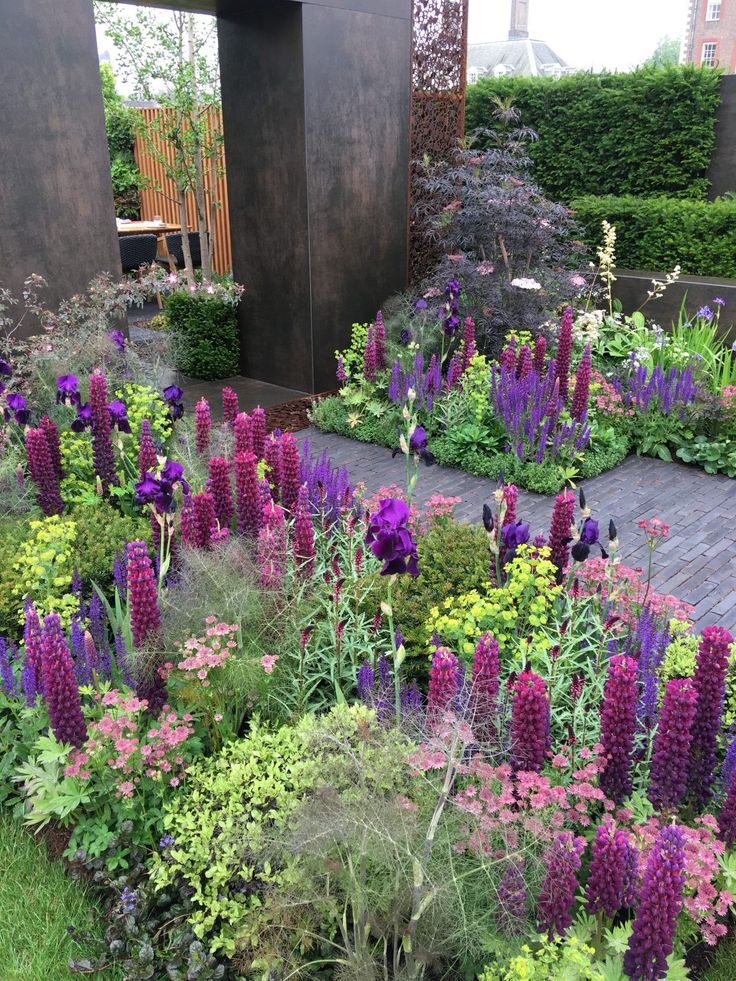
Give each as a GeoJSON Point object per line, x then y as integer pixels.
{"type": "Point", "coordinates": [710, 36]}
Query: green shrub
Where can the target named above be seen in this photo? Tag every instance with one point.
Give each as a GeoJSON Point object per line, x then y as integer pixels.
{"type": "Point", "coordinates": [102, 532]}
{"type": "Point", "coordinates": [453, 558]}
{"type": "Point", "coordinates": [204, 330]}
{"type": "Point", "coordinates": [659, 232]}
{"type": "Point", "coordinates": [222, 824]}
{"type": "Point", "coordinates": [651, 131]}
{"type": "Point", "coordinates": [560, 959]}
{"type": "Point", "coordinates": [43, 568]}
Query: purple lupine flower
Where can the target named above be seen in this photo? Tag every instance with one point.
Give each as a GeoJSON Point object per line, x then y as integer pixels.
{"type": "Point", "coordinates": [609, 879]}
{"type": "Point", "coordinates": [102, 450]}
{"type": "Point", "coordinates": [540, 355]}
{"type": "Point", "coordinates": [668, 773]}
{"type": "Point", "coordinates": [529, 722]}
{"type": "Point", "coordinates": [31, 676]}
{"type": "Point", "coordinates": [145, 616]}
{"type": "Point", "coordinates": [258, 431]}
{"type": "Point", "coordinates": [652, 641]}
{"type": "Point", "coordinates": [512, 899]}
{"type": "Point", "coordinates": [727, 814]}
{"type": "Point", "coordinates": [341, 374]}
{"type": "Point", "coordinates": [147, 459]}
{"type": "Point", "coordinates": [390, 539]}
{"type": "Point", "coordinates": [272, 546]}
{"type": "Point", "coordinates": [412, 700]}
{"type": "Point", "coordinates": [60, 689]}
{"type": "Point", "coordinates": [118, 339]}
{"type": "Point", "coordinates": [380, 341]}
{"type": "Point", "coordinates": [524, 361]}
{"type": "Point", "coordinates": [557, 896]}
{"type": "Point", "coordinates": [581, 393]}
{"type": "Point", "coordinates": [51, 432]}
{"type": "Point", "coordinates": [204, 521]}
{"type": "Point", "coordinates": [43, 472]}
{"type": "Point", "coordinates": [202, 426]}
{"type": "Point", "coordinates": [660, 902]}
{"type": "Point", "coordinates": [7, 675]}
{"type": "Point", "coordinates": [469, 345]}
{"type": "Point", "coordinates": [243, 434]}
{"type": "Point", "coordinates": [290, 471]}
{"type": "Point", "coordinates": [729, 764]}
{"type": "Point", "coordinates": [230, 406]}
{"type": "Point", "coordinates": [365, 683]}
{"type": "Point", "coordinates": [247, 494]}
{"type": "Point", "coordinates": [79, 654]}
{"type": "Point", "coordinates": [560, 532]}
{"type": "Point", "coordinates": [486, 673]}
{"type": "Point", "coordinates": [444, 682]}
{"type": "Point", "coordinates": [618, 726]}
{"type": "Point", "coordinates": [564, 353]}
{"type": "Point", "coordinates": [304, 550]}
{"type": "Point", "coordinates": [370, 358]}
{"type": "Point", "coordinates": [709, 681]}
{"type": "Point", "coordinates": [221, 489]}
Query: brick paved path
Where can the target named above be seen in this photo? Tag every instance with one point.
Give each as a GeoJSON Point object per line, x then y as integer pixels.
{"type": "Point", "coordinates": [697, 562]}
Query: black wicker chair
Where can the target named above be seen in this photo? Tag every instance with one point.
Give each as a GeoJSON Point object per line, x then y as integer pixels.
{"type": "Point", "coordinates": [176, 252]}
{"type": "Point", "coordinates": [137, 251]}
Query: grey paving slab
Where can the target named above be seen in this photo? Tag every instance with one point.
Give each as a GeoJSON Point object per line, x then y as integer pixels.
{"type": "Point", "coordinates": [697, 563]}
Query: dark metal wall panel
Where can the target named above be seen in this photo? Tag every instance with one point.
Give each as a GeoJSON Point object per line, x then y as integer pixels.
{"type": "Point", "coordinates": [357, 85]}
{"type": "Point", "coordinates": [56, 204]}
{"type": "Point", "coordinates": [722, 170]}
{"type": "Point", "coordinates": [263, 114]}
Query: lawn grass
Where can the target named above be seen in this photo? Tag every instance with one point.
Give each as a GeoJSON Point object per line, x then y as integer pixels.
{"type": "Point", "coordinates": [37, 903]}
{"type": "Point", "coordinates": [723, 964]}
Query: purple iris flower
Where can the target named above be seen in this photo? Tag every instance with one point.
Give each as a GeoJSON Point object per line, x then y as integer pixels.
{"type": "Point", "coordinates": [589, 536]}
{"type": "Point", "coordinates": [67, 389]}
{"type": "Point", "coordinates": [452, 288]}
{"type": "Point", "coordinates": [160, 491]}
{"type": "Point", "coordinates": [390, 540]}
{"type": "Point", "coordinates": [5, 368]}
{"type": "Point", "coordinates": [514, 535]}
{"type": "Point", "coordinates": [405, 337]}
{"type": "Point", "coordinates": [418, 445]}
{"type": "Point", "coordinates": [118, 339]}
{"type": "Point", "coordinates": [146, 489]}
{"type": "Point", "coordinates": [719, 301]}
{"type": "Point", "coordinates": [705, 313]}
{"type": "Point", "coordinates": [451, 325]}
{"type": "Point", "coordinates": [119, 415]}
{"type": "Point", "coordinates": [173, 394]}
{"type": "Point", "coordinates": [84, 418]}
{"type": "Point", "coordinates": [18, 405]}
{"type": "Point", "coordinates": [420, 304]}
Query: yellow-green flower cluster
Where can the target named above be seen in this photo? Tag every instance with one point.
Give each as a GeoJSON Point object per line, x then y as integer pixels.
{"type": "Point", "coordinates": [476, 380]}
{"type": "Point", "coordinates": [515, 613]}
{"type": "Point", "coordinates": [78, 465]}
{"type": "Point", "coordinates": [352, 356]}
{"type": "Point", "coordinates": [144, 402]}
{"type": "Point", "coordinates": [44, 568]}
{"type": "Point", "coordinates": [561, 959]}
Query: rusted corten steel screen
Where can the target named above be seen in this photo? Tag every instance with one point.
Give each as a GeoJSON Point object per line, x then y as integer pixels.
{"type": "Point", "coordinates": [439, 41]}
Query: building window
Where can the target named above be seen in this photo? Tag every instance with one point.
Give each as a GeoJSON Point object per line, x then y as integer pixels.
{"type": "Point", "coordinates": [708, 55]}
{"type": "Point", "coordinates": [714, 10]}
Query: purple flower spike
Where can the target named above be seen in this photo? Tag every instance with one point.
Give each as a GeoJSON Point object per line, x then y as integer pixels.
{"type": "Point", "coordinates": [60, 685]}
{"type": "Point", "coordinates": [618, 726]}
{"type": "Point", "coordinates": [560, 884]}
{"type": "Point", "coordinates": [670, 761]}
{"type": "Point", "coordinates": [529, 722]}
{"type": "Point", "coordinates": [709, 682]}
{"type": "Point", "coordinates": [610, 877]}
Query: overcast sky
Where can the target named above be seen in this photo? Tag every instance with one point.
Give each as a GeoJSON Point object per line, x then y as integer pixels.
{"type": "Point", "coordinates": [587, 33]}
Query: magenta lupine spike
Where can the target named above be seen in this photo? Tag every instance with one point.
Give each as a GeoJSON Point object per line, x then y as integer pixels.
{"type": "Point", "coordinates": [102, 450]}
{"type": "Point", "coordinates": [454, 372]}
{"type": "Point", "coordinates": [660, 902]}
{"type": "Point", "coordinates": [540, 355]}
{"type": "Point", "coordinates": [243, 434]}
{"type": "Point", "coordinates": [230, 407]}
{"type": "Point", "coordinates": [369, 357]}
{"type": "Point", "coordinates": [727, 815]}
{"type": "Point", "coordinates": [485, 685]}
{"type": "Point", "coordinates": [258, 431]}
{"type": "Point", "coordinates": [147, 461]}
{"type": "Point", "coordinates": [272, 456]}
{"type": "Point", "coordinates": [444, 679]}
{"type": "Point", "coordinates": [221, 488]}
{"type": "Point", "coordinates": [610, 870]}
{"type": "Point", "coordinates": [187, 524]}
{"type": "Point", "coordinates": [145, 616]}
{"type": "Point", "coordinates": [512, 899]}
{"type": "Point", "coordinates": [43, 474]}
{"type": "Point", "coordinates": [304, 551]}
{"type": "Point", "coordinates": [290, 471]}
{"type": "Point", "coordinates": [202, 426]}
{"type": "Point", "coordinates": [618, 726]}
{"type": "Point", "coordinates": [91, 652]}
{"type": "Point", "coordinates": [272, 546]}
{"type": "Point", "coordinates": [581, 393]}
{"type": "Point", "coordinates": [557, 896]}
{"type": "Point", "coordinates": [510, 497]}
{"type": "Point", "coordinates": [32, 673]}
{"type": "Point", "coordinates": [52, 438]}
{"type": "Point", "coordinates": [709, 681]}
{"type": "Point", "coordinates": [380, 342]}
{"type": "Point", "coordinates": [524, 361]}
{"type": "Point", "coordinates": [508, 356]}
{"type": "Point", "coordinates": [205, 520]}
{"type": "Point", "coordinates": [529, 722]}
{"type": "Point", "coordinates": [553, 406]}
{"type": "Point", "coordinates": [560, 532]}
{"type": "Point", "coordinates": [247, 492]}
{"type": "Point", "coordinates": [60, 689]}
{"type": "Point", "coordinates": [564, 354]}
{"type": "Point", "coordinates": [340, 373]}
{"type": "Point", "coordinates": [469, 345]}
{"type": "Point", "coordinates": [668, 772]}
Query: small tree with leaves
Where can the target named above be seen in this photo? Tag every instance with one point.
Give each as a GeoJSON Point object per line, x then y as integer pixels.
{"type": "Point", "coordinates": [170, 58]}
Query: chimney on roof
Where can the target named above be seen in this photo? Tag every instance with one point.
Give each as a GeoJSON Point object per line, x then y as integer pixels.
{"type": "Point", "coordinates": [519, 19]}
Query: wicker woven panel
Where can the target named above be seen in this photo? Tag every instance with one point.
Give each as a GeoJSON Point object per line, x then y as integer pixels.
{"type": "Point", "coordinates": [439, 37]}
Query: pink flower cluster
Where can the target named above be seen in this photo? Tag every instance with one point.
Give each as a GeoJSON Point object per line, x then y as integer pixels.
{"type": "Point", "coordinates": [654, 528]}
{"type": "Point", "coordinates": [204, 654]}
{"type": "Point", "coordinates": [624, 587]}
{"type": "Point", "coordinates": [607, 399]}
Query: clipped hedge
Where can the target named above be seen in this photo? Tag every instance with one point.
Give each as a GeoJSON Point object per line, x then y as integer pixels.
{"type": "Point", "coordinates": [657, 233]}
{"type": "Point", "coordinates": [205, 339]}
{"type": "Point", "coordinates": [647, 132]}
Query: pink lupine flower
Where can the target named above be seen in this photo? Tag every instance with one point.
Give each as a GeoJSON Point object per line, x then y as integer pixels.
{"type": "Point", "coordinates": [444, 681]}
{"type": "Point", "coordinates": [564, 354]}
{"type": "Point", "coordinates": [258, 431]}
{"type": "Point", "coordinates": [540, 355]}
{"type": "Point", "coordinates": [243, 435]}
{"type": "Point", "coordinates": [560, 532]}
{"type": "Point", "coordinates": [247, 491]}
{"type": "Point", "coordinates": [529, 722]}
{"type": "Point", "coordinates": [147, 461]}
{"type": "Point", "coordinates": [145, 616]}
{"type": "Point", "coordinates": [272, 456]}
{"type": "Point", "coordinates": [221, 489]}
{"type": "Point", "coordinates": [272, 546]}
{"type": "Point", "coordinates": [485, 685]}
{"type": "Point", "coordinates": [230, 407]}
{"type": "Point", "coordinates": [204, 520]}
{"type": "Point", "coordinates": [524, 361]}
{"type": "Point", "coordinates": [202, 426]}
{"type": "Point", "coordinates": [304, 550]}
{"type": "Point", "coordinates": [51, 432]}
{"type": "Point", "coordinates": [469, 346]}
{"type": "Point", "coordinates": [289, 471]}
{"type": "Point", "coordinates": [380, 342]}
{"type": "Point", "coordinates": [508, 356]}
{"type": "Point", "coordinates": [581, 393]}
{"type": "Point", "coordinates": [370, 357]}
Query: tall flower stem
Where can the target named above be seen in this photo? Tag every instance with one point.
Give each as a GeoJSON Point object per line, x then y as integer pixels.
{"type": "Point", "coordinates": [397, 653]}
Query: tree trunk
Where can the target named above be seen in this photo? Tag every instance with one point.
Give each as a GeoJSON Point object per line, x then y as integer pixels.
{"type": "Point", "coordinates": [213, 203]}
{"type": "Point", "coordinates": [188, 267]}
{"type": "Point", "coordinates": [196, 124]}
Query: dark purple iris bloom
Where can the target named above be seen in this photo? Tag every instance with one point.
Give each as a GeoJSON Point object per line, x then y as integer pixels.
{"type": "Point", "coordinates": [67, 389]}
{"type": "Point", "coordinates": [705, 312]}
{"type": "Point", "coordinates": [452, 288]}
{"type": "Point", "coordinates": [390, 540]}
{"type": "Point", "coordinates": [160, 491]}
{"type": "Point", "coordinates": [146, 489]}
{"type": "Point", "coordinates": [119, 415]}
{"type": "Point", "coordinates": [418, 445]}
{"type": "Point", "coordinates": [420, 304]}
{"type": "Point", "coordinates": [514, 535]}
{"type": "Point", "coordinates": [405, 337]}
{"type": "Point", "coordinates": [173, 394]}
{"type": "Point", "coordinates": [589, 536]}
{"type": "Point", "coordinates": [118, 339]}
{"type": "Point", "coordinates": [451, 325]}
{"type": "Point", "coordinates": [18, 405]}
{"type": "Point", "coordinates": [5, 368]}
{"type": "Point", "coordinates": [84, 418]}
{"type": "Point", "coordinates": [172, 471]}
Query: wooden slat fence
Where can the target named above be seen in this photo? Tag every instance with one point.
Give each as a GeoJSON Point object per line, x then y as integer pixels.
{"type": "Point", "coordinates": [160, 197]}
